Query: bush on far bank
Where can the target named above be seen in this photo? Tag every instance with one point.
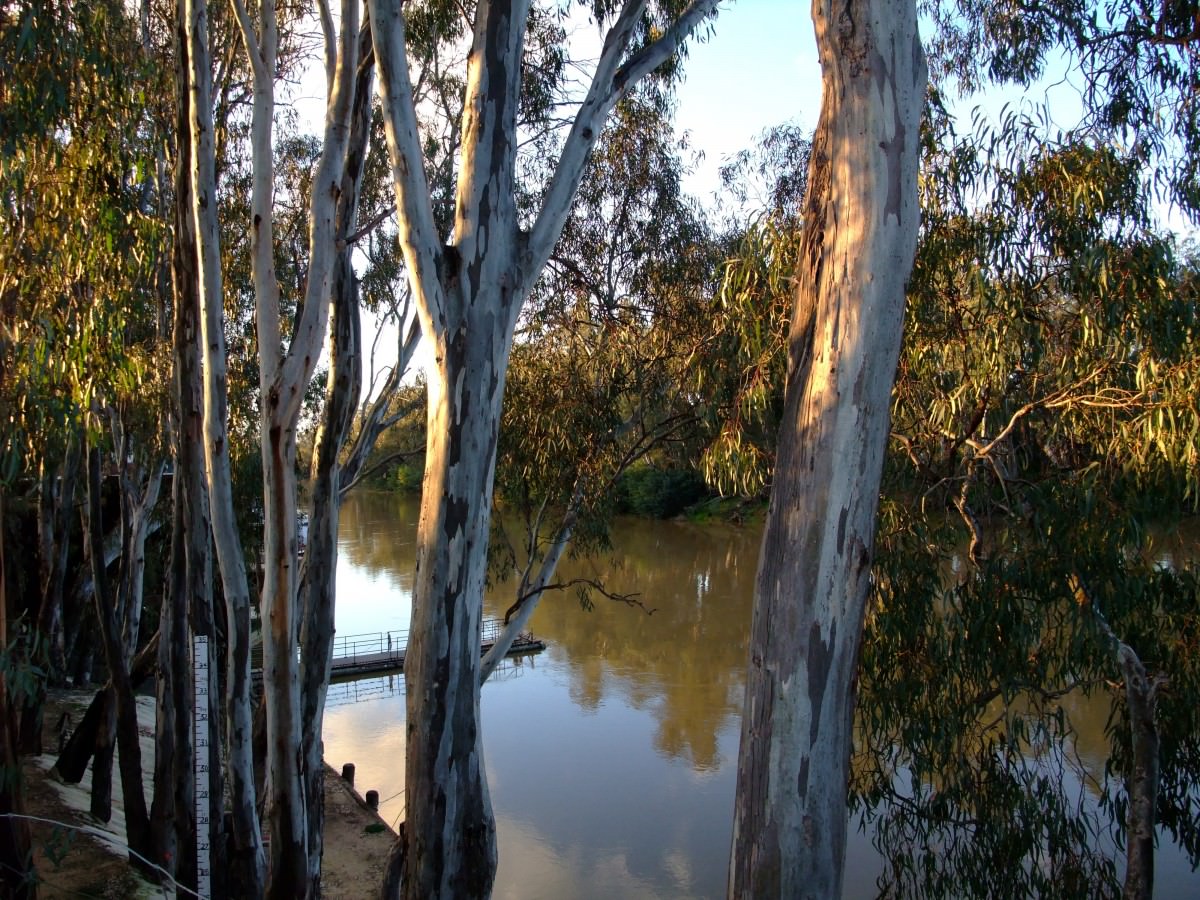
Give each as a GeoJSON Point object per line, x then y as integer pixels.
{"type": "Point", "coordinates": [659, 493]}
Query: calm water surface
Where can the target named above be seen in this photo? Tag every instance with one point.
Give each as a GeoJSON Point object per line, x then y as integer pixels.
{"type": "Point", "coordinates": [611, 757]}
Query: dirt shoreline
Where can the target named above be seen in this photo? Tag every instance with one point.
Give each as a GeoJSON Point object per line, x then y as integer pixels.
{"type": "Point", "coordinates": [77, 856]}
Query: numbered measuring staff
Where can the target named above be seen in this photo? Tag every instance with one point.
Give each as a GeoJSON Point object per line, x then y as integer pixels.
{"type": "Point", "coordinates": [200, 741]}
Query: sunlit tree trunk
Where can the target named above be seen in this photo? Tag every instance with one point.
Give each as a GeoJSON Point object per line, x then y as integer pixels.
{"type": "Point", "coordinates": [248, 855]}
{"type": "Point", "coordinates": [283, 378]}
{"type": "Point", "coordinates": [860, 233]}
{"type": "Point", "coordinates": [317, 587]}
{"type": "Point", "coordinates": [190, 582]}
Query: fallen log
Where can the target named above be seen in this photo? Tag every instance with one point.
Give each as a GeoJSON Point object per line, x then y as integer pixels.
{"type": "Point", "coordinates": [74, 758]}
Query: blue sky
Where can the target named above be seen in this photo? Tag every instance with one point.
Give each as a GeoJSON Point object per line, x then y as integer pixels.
{"type": "Point", "coordinates": [759, 68]}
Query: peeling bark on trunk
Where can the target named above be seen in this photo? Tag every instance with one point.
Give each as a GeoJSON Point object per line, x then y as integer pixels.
{"type": "Point", "coordinates": [452, 832]}
{"type": "Point", "coordinates": [317, 590]}
{"type": "Point", "coordinates": [248, 856]}
{"type": "Point", "coordinates": [860, 231]}
{"type": "Point", "coordinates": [468, 296]}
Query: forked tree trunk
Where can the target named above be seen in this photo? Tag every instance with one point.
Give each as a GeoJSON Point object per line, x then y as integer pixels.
{"type": "Point", "coordinates": [317, 588]}
{"type": "Point", "coordinates": [860, 232]}
{"type": "Point", "coordinates": [469, 295]}
{"type": "Point", "coordinates": [283, 379]}
{"type": "Point", "coordinates": [249, 859]}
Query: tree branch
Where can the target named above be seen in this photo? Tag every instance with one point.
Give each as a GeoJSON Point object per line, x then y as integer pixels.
{"type": "Point", "coordinates": [418, 234]}
{"type": "Point", "coordinates": [610, 82]}
{"type": "Point", "coordinates": [309, 332]}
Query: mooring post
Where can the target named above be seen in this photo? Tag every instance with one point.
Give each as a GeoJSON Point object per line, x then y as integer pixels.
{"type": "Point", "coordinates": [348, 774]}
{"type": "Point", "coordinates": [373, 800]}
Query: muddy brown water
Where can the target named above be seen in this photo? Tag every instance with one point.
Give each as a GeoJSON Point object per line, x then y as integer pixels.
{"type": "Point", "coordinates": [611, 756]}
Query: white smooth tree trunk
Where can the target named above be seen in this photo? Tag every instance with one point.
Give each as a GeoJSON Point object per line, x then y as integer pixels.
{"type": "Point", "coordinates": [249, 857]}
{"type": "Point", "coordinates": [318, 579]}
{"type": "Point", "coordinates": [283, 379]}
{"type": "Point", "coordinates": [469, 294]}
{"type": "Point", "coordinates": [860, 233]}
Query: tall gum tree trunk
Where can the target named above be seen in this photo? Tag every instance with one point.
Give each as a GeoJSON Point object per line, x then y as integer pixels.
{"type": "Point", "coordinates": [860, 232]}
{"type": "Point", "coordinates": [190, 579]}
{"type": "Point", "coordinates": [469, 294]}
{"type": "Point", "coordinates": [452, 846]}
{"type": "Point", "coordinates": [249, 859]}
{"type": "Point", "coordinates": [283, 379]}
{"type": "Point", "coordinates": [318, 580]}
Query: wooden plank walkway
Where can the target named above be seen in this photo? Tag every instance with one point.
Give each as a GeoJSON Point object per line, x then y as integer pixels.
{"type": "Point", "coordinates": [383, 651]}
{"type": "Point", "coordinates": [362, 654]}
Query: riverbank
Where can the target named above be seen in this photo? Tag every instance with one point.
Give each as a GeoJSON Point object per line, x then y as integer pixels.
{"type": "Point", "coordinates": [78, 856]}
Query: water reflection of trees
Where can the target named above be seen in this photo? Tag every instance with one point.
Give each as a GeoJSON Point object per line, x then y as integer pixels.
{"type": "Point", "coordinates": [377, 533]}
{"type": "Point", "coordinates": [683, 662]}
{"type": "Point", "coordinates": [993, 733]}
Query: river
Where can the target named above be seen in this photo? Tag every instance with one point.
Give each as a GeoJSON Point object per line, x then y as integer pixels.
{"type": "Point", "coordinates": [611, 756]}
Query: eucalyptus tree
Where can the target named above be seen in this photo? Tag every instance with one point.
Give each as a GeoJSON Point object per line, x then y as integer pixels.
{"type": "Point", "coordinates": [77, 244]}
{"type": "Point", "coordinates": [469, 284]}
{"type": "Point", "coordinates": [81, 277]}
{"type": "Point", "coordinates": [1134, 64]}
{"type": "Point", "coordinates": [1045, 400]}
{"type": "Point", "coordinates": [284, 375]}
{"type": "Point", "coordinates": [859, 236]}
{"type": "Point", "coordinates": [605, 336]}
{"type": "Point", "coordinates": [337, 461]}
{"type": "Point", "coordinates": [1070, 429]}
